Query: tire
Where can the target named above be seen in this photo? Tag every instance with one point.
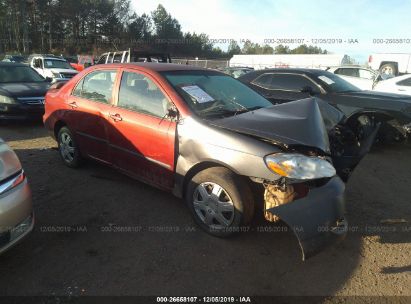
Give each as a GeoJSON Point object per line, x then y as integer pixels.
{"type": "Point", "coordinates": [364, 127]}
{"type": "Point", "coordinates": [234, 207]}
{"type": "Point", "coordinates": [68, 148]}
{"type": "Point", "coordinates": [388, 70]}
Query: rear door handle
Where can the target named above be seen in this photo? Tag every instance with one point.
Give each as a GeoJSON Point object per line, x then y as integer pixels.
{"type": "Point", "coordinates": [73, 105]}
{"type": "Point", "coordinates": [116, 117]}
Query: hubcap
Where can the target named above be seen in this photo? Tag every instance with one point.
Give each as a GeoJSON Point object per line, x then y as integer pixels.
{"type": "Point", "coordinates": [213, 205]}
{"type": "Point", "coordinates": [67, 149]}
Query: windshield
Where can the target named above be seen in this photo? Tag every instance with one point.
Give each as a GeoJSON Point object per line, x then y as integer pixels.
{"type": "Point", "coordinates": [9, 74]}
{"type": "Point", "coordinates": [335, 84]}
{"type": "Point", "coordinates": [18, 59]}
{"type": "Point", "coordinates": [56, 64]}
{"type": "Point", "coordinates": [214, 95]}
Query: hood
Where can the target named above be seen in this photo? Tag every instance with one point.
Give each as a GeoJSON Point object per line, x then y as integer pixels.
{"type": "Point", "coordinates": [303, 122]}
{"type": "Point", "coordinates": [66, 71]}
{"type": "Point", "coordinates": [29, 89]}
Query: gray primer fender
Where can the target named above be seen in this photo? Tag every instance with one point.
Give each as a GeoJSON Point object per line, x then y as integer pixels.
{"type": "Point", "coordinates": [199, 142]}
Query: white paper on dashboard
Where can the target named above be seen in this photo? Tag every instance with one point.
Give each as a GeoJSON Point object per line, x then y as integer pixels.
{"type": "Point", "coordinates": [198, 93]}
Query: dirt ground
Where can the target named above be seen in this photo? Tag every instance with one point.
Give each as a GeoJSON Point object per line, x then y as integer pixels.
{"type": "Point", "coordinates": [100, 233]}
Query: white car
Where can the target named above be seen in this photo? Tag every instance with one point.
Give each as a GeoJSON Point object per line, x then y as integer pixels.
{"type": "Point", "coordinates": [49, 66]}
{"type": "Point", "coordinates": [362, 78]}
{"type": "Point", "coordinates": [399, 85]}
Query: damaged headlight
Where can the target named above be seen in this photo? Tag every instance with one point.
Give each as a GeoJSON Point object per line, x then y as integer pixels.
{"type": "Point", "coordinates": [298, 166]}
{"type": "Point", "coordinates": [7, 100]}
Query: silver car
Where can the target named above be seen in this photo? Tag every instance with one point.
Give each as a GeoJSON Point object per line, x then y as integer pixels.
{"type": "Point", "coordinates": [16, 213]}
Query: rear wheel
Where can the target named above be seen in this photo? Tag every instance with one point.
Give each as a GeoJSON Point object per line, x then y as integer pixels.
{"type": "Point", "coordinates": [220, 201]}
{"type": "Point", "coordinates": [69, 151]}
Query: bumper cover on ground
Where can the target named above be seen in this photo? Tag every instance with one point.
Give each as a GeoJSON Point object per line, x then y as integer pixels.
{"type": "Point", "coordinates": [317, 219]}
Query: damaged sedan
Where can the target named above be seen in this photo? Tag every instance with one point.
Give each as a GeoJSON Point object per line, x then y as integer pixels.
{"type": "Point", "coordinates": [364, 109]}
{"type": "Point", "coordinates": [213, 141]}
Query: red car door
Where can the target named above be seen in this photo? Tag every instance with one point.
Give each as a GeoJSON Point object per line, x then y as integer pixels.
{"type": "Point", "coordinates": [89, 104]}
{"type": "Point", "coordinates": [141, 138]}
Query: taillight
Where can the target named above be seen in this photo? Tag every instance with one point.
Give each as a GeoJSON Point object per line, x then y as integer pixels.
{"type": "Point", "coordinates": [370, 59]}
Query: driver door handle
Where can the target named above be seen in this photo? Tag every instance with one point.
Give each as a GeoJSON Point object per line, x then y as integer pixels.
{"type": "Point", "coordinates": [116, 117]}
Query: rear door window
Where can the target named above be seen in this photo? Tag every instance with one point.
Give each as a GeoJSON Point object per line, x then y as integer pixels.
{"type": "Point", "coordinates": [284, 82]}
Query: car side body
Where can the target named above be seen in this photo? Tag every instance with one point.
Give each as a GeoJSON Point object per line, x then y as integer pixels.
{"type": "Point", "coordinates": [171, 148]}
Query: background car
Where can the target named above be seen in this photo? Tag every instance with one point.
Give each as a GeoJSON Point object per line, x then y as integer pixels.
{"type": "Point", "coordinates": [397, 85]}
{"type": "Point", "coordinates": [54, 67]}
{"type": "Point", "coordinates": [133, 56]}
{"type": "Point", "coordinates": [15, 59]}
{"type": "Point", "coordinates": [16, 214]}
{"type": "Point", "coordinates": [22, 92]}
{"type": "Point", "coordinates": [362, 78]}
{"type": "Point", "coordinates": [211, 140]}
{"type": "Point", "coordinates": [363, 109]}
{"type": "Point", "coordinates": [236, 71]}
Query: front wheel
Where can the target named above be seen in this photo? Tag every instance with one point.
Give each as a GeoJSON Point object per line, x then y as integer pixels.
{"type": "Point", "coordinates": [69, 151]}
{"type": "Point", "coordinates": [220, 201]}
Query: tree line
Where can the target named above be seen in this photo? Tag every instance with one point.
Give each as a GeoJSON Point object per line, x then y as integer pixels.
{"type": "Point", "coordinates": [95, 26]}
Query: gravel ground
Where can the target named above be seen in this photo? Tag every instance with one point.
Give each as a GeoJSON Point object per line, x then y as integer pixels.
{"type": "Point", "coordinates": [167, 255]}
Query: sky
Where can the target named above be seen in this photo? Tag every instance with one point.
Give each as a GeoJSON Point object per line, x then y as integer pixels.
{"type": "Point", "coordinates": [313, 21]}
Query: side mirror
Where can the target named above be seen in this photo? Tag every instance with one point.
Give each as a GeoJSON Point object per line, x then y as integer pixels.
{"type": "Point", "coordinates": [49, 79]}
{"type": "Point", "coordinates": [308, 89]}
{"type": "Point", "coordinates": [58, 85]}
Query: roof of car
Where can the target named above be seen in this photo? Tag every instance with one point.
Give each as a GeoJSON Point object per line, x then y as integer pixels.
{"type": "Point", "coordinates": [248, 77]}
{"type": "Point", "coordinates": [159, 67]}
{"type": "Point", "coordinates": [3, 63]}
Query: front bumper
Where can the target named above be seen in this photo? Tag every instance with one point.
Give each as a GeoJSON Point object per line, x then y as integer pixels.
{"type": "Point", "coordinates": [20, 111]}
{"type": "Point", "coordinates": [317, 219]}
{"type": "Point", "coordinates": [16, 215]}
